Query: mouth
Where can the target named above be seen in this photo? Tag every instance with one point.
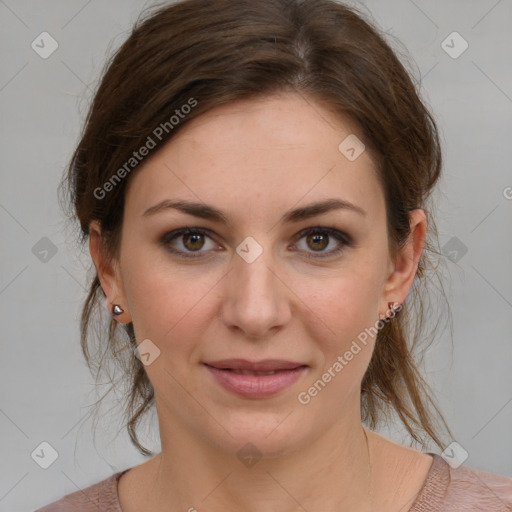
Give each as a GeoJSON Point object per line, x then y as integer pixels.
{"type": "Point", "coordinates": [250, 372]}
{"type": "Point", "coordinates": [261, 379]}
{"type": "Point", "coordinates": [265, 366]}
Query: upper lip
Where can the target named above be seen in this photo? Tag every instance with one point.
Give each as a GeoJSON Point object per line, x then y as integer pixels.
{"type": "Point", "coordinates": [266, 365]}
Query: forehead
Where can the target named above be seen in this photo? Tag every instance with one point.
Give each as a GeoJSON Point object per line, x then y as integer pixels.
{"type": "Point", "coordinates": [261, 155]}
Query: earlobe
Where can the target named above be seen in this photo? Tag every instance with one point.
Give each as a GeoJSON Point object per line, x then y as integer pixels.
{"type": "Point", "coordinates": [107, 274]}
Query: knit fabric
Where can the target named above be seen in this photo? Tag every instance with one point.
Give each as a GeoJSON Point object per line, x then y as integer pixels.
{"type": "Point", "coordinates": [445, 490]}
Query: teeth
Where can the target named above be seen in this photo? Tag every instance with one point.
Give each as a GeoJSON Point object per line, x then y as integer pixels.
{"type": "Point", "coordinates": [249, 372]}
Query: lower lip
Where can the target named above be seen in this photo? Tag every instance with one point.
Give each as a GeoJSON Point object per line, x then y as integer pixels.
{"type": "Point", "coordinates": [256, 386]}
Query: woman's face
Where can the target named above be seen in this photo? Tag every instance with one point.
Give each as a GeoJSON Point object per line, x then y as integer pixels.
{"type": "Point", "coordinates": [257, 286]}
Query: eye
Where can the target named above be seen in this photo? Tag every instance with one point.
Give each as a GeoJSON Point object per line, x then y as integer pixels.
{"type": "Point", "coordinates": [318, 238]}
{"type": "Point", "coordinates": [189, 242]}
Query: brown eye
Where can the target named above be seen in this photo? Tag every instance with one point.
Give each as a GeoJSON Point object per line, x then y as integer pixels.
{"type": "Point", "coordinates": [188, 242]}
{"type": "Point", "coordinates": [193, 241]}
{"type": "Point", "coordinates": [317, 239]}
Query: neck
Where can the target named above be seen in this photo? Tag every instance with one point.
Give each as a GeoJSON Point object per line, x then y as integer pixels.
{"type": "Point", "coordinates": [330, 472]}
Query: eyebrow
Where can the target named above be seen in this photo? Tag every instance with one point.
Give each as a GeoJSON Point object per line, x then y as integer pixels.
{"type": "Point", "coordinates": [205, 211]}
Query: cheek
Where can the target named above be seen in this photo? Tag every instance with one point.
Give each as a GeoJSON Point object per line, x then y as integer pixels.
{"type": "Point", "coordinates": [164, 301]}
{"type": "Point", "coordinates": [345, 304]}
{"type": "Point", "coordinates": [341, 323]}
{"type": "Point", "coordinates": [342, 320]}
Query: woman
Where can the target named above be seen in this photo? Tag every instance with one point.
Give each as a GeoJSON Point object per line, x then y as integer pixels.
{"type": "Point", "coordinates": [253, 180]}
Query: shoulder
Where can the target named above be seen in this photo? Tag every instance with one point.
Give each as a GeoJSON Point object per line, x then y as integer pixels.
{"type": "Point", "coordinates": [99, 497]}
{"type": "Point", "coordinates": [463, 489]}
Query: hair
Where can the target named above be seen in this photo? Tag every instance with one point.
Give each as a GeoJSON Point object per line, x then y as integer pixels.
{"type": "Point", "coordinates": [209, 53]}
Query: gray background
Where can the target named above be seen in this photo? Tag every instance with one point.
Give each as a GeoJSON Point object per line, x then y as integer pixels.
{"type": "Point", "coordinates": [45, 387]}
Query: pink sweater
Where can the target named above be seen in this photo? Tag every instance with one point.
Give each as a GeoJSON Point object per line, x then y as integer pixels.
{"type": "Point", "coordinates": [445, 490]}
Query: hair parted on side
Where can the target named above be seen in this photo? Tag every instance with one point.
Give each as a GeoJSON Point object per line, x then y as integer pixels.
{"type": "Point", "coordinates": [206, 53]}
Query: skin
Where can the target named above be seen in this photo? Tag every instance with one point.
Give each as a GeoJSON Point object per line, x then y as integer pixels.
{"type": "Point", "coordinates": [255, 160]}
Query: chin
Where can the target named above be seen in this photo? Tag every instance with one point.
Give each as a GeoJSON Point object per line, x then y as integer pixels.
{"type": "Point", "coordinates": [260, 435]}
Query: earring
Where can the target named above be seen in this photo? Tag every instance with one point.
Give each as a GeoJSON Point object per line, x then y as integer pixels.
{"type": "Point", "coordinates": [394, 307]}
{"type": "Point", "coordinates": [117, 310]}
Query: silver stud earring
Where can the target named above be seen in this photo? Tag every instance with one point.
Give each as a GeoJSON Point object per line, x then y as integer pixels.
{"type": "Point", "coordinates": [117, 310]}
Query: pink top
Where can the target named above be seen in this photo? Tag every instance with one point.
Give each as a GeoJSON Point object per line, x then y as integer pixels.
{"type": "Point", "coordinates": [445, 490]}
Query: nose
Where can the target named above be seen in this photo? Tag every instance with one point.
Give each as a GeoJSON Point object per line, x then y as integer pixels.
{"type": "Point", "coordinates": [256, 300]}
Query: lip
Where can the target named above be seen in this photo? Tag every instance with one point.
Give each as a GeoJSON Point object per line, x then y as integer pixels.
{"type": "Point", "coordinates": [266, 365]}
{"type": "Point", "coordinates": [256, 386]}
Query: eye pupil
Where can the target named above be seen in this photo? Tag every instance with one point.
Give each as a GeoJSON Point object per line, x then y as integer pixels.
{"type": "Point", "coordinates": [195, 237]}
{"type": "Point", "coordinates": [318, 237]}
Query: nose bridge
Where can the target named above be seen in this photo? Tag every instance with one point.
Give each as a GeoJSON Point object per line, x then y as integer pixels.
{"type": "Point", "coordinates": [255, 279]}
{"type": "Point", "coordinates": [256, 300]}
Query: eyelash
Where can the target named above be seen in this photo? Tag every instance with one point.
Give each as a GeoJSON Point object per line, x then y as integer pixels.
{"type": "Point", "coordinates": [331, 232]}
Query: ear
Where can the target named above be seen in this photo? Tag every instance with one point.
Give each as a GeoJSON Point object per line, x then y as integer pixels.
{"type": "Point", "coordinates": [108, 273]}
{"type": "Point", "coordinates": [405, 264]}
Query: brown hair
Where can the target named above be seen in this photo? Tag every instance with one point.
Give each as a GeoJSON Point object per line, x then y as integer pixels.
{"type": "Point", "coordinates": [204, 54]}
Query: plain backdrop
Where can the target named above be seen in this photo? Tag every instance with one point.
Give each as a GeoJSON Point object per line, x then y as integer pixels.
{"type": "Point", "coordinates": [45, 387]}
